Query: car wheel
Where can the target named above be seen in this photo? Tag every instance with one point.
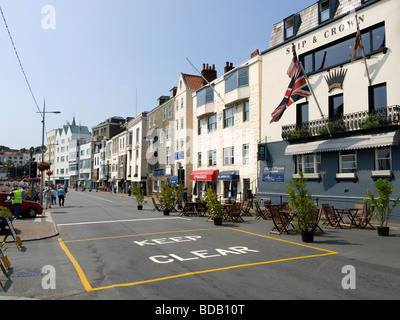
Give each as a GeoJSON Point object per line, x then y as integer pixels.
{"type": "Point", "coordinates": [30, 213]}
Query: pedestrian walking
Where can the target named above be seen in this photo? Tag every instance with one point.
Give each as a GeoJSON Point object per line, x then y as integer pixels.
{"type": "Point", "coordinates": [47, 198]}
{"type": "Point", "coordinates": [61, 195]}
{"type": "Point", "coordinates": [53, 196]}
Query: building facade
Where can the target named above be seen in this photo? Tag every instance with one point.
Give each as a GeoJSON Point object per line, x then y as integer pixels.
{"type": "Point", "coordinates": [346, 135]}
{"type": "Point", "coordinates": [227, 131]}
{"type": "Point", "coordinates": [64, 136]}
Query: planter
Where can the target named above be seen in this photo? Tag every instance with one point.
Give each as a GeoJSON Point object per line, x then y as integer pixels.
{"type": "Point", "coordinates": [383, 231]}
{"type": "Point", "coordinates": [307, 236]}
{"type": "Point", "coordinates": [218, 221]}
{"type": "Point", "coordinates": [166, 212]}
{"type": "Point", "coordinates": [140, 207]}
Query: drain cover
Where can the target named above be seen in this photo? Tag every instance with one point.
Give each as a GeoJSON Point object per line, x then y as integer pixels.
{"type": "Point", "coordinates": [26, 273]}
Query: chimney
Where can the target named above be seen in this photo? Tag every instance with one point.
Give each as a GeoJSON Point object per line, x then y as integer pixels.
{"type": "Point", "coordinates": [228, 67]}
{"type": "Point", "coordinates": [255, 53]}
{"type": "Point", "coordinates": [208, 73]}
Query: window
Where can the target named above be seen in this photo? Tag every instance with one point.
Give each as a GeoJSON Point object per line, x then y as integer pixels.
{"type": "Point", "coordinates": [212, 158]}
{"type": "Point", "coordinates": [168, 156]}
{"type": "Point", "coordinates": [335, 107]}
{"type": "Point", "coordinates": [308, 163]}
{"type": "Point", "coordinates": [383, 159]}
{"type": "Point", "coordinates": [164, 115]}
{"type": "Point", "coordinates": [338, 53]}
{"type": "Point", "coordinates": [229, 156]}
{"type": "Point", "coordinates": [182, 123]}
{"type": "Point", "coordinates": [289, 28]}
{"type": "Point", "coordinates": [348, 162]}
{"type": "Point", "coordinates": [154, 119]}
{"type": "Point", "coordinates": [212, 123]}
{"type": "Point", "coordinates": [377, 97]}
{"type": "Point", "coordinates": [204, 96]}
{"type": "Point", "coordinates": [246, 111]}
{"type": "Point", "coordinates": [324, 11]}
{"type": "Point", "coordinates": [302, 114]}
{"type": "Point", "coordinates": [170, 111]}
{"type": "Point", "coordinates": [137, 135]}
{"type": "Point", "coordinates": [199, 124]}
{"type": "Point", "coordinates": [237, 79]}
{"type": "Point", "coordinates": [246, 153]}
{"type": "Point", "coordinates": [229, 117]}
{"type": "Point", "coordinates": [199, 159]}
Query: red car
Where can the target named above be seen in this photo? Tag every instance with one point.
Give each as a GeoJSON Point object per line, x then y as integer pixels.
{"type": "Point", "coordinates": [28, 209]}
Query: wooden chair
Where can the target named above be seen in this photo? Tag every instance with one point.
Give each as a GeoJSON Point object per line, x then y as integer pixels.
{"type": "Point", "coordinates": [354, 217]}
{"type": "Point", "coordinates": [157, 206]}
{"type": "Point", "coordinates": [201, 209]}
{"type": "Point", "coordinates": [331, 219]}
{"type": "Point", "coordinates": [188, 209]}
{"type": "Point", "coordinates": [281, 221]}
{"type": "Point", "coordinates": [260, 213]}
{"type": "Point", "coordinates": [315, 226]}
{"type": "Point", "coordinates": [246, 209]}
{"type": "Point", "coordinates": [234, 214]}
{"type": "Point", "coordinates": [364, 220]}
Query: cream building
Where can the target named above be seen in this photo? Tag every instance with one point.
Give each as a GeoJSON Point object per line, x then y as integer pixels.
{"type": "Point", "coordinates": [227, 131]}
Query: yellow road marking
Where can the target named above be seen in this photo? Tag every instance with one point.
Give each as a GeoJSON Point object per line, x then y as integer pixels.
{"type": "Point", "coordinates": [89, 288]}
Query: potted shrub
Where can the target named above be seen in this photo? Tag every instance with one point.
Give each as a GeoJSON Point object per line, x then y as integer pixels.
{"type": "Point", "coordinates": [4, 213]}
{"type": "Point", "coordinates": [167, 197]}
{"type": "Point", "coordinates": [303, 206]}
{"type": "Point", "coordinates": [381, 206]}
{"type": "Point", "coordinates": [214, 208]}
{"type": "Point", "coordinates": [139, 195]}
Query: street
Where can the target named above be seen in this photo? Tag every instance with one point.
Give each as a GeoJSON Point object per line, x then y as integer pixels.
{"type": "Point", "coordinates": [107, 249]}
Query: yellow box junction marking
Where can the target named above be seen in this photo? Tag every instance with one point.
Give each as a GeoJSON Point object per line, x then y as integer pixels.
{"type": "Point", "coordinates": [89, 288]}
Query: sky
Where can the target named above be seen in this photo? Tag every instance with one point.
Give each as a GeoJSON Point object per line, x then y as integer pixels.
{"type": "Point", "coordinates": [95, 59]}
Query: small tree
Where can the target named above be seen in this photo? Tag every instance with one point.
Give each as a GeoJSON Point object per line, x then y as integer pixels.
{"type": "Point", "coordinates": [380, 206]}
{"type": "Point", "coordinates": [138, 193]}
{"type": "Point", "coordinates": [215, 209]}
{"type": "Point", "coordinates": [301, 204]}
{"type": "Point", "coordinates": [167, 195]}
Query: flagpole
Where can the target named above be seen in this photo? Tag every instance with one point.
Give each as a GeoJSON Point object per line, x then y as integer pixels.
{"type": "Point", "coordinates": [315, 98]}
{"type": "Point", "coordinates": [363, 52]}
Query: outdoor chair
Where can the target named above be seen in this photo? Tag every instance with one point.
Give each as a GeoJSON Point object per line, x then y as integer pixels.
{"type": "Point", "coordinates": [234, 213]}
{"type": "Point", "coordinates": [364, 220]}
{"type": "Point", "coordinates": [260, 213]}
{"type": "Point", "coordinates": [189, 208]}
{"type": "Point", "coordinates": [201, 209]}
{"type": "Point", "coordinates": [280, 220]}
{"type": "Point", "coordinates": [331, 219]}
{"type": "Point", "coordinates": [315, 226]}
{"type": "Point", "coordinates": [157, 206]}
{"type": "Point", "coordinates": [246, 209]}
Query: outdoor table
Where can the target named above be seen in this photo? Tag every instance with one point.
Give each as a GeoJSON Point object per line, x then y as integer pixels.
{"type": "Point", "coordinates": [351, 214]}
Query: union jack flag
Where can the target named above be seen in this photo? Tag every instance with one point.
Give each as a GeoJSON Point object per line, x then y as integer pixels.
{"type": "Point", "coordinates": [298, 88]}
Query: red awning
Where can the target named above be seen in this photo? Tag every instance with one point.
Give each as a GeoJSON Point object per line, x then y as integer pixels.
{"type": "Point", "coordinates": [204, 175]}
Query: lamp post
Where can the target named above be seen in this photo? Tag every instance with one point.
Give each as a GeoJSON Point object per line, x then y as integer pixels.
{"type": "Point", "coordinates": [43, 147]}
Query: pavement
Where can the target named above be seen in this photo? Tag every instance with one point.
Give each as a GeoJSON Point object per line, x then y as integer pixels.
{"type": "Point", "coordinates": [39, 228]}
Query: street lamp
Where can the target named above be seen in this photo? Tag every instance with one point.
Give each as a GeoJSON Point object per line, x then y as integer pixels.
{"type": "Point", "coordinates": [43, 147]}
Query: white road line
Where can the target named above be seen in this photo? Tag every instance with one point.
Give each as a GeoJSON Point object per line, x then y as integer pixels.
{"type": "Point", "coordinates": [114, 221]}
{"type": "Point", "coordinates": [102, 199]}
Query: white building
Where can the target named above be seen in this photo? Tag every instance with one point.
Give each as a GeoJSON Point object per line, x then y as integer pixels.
{"type": "Point", "coordinates": [64, 136]}
{"type": "Point", "coordinates": [350, 94]}
{"type": "Point", "coordinates": [227, 130]}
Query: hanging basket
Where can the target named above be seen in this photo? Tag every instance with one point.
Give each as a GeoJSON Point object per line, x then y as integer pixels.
{"type": "Point", "coordinates": [43, 166]}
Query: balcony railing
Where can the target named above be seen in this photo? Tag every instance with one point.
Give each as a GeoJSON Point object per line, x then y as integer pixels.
{"type": "Point", "coordinates": [380, 118]}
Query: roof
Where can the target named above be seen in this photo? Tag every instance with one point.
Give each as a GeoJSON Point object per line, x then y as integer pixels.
{"type": "Point", "coordinates": [193, 82]}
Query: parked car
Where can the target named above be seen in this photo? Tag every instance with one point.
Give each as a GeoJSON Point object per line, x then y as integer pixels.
{"type": "Point", "coordinates": [28, 209]}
